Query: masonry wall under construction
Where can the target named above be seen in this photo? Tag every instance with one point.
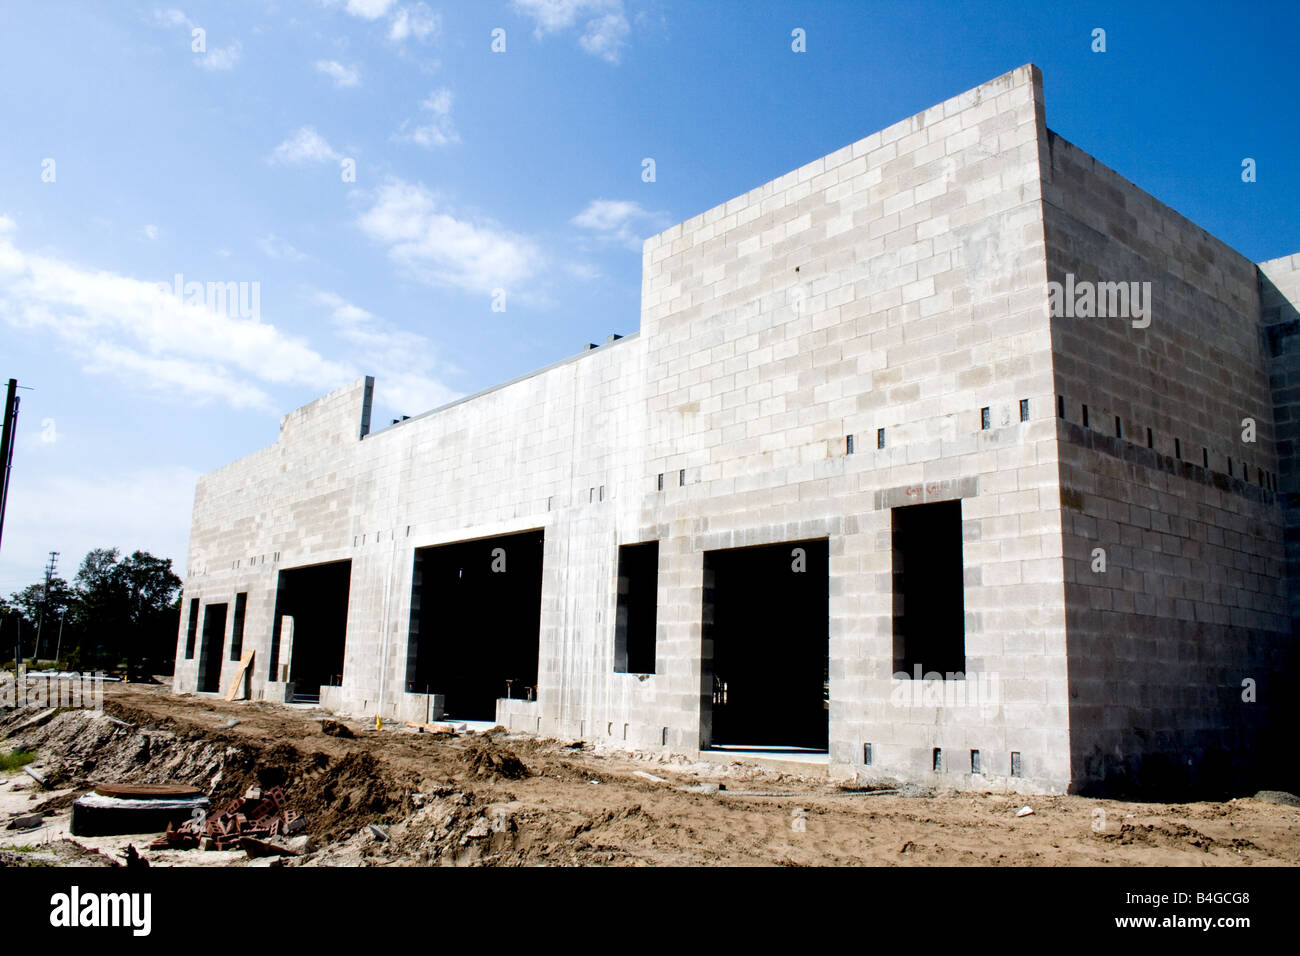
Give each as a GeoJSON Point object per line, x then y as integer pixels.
{"type": "Point", "coordinates": [869, 333]}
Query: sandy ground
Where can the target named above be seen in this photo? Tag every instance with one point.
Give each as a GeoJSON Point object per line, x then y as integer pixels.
{"type": "Point", "coordinates": [398, 797]}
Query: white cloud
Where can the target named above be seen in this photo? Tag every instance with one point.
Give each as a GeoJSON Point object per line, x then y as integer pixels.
{"type": "Point", "coordinates": [415, 21]}
{"type": "Point", "coordinates": [616, 220]}
{"type": "Point", "coordinates": [605, 31]}
{"type": "Point", "coordinates": [151, 231]}
{"type": "Point", "coordinates": [406, 21]}
{"type": "Point", "coordinates": [368, 9]}
{"type": "Point", "coordinates": [303, 146]}
{"type": "Point", "coordinates": [170, 18]}
{"type": "Point", "coordinates": [436, 247]}
{"type": "Point", "coordinates": [606, 36]}
{"type": "Point", "coordinates": [218, 58]}
{"type": "Point", "coordinates": [133, 330]}
{"type": "Point", "coordinates": [273, 247]}
{"type": "Point", "coordinates": [221, 58]}
{"type": "Point", "coordinates": [439, 130]}
{"type": "Point", "coordinates": [340, 74]}
{"type": "Point", "coordinates": [400, 360]}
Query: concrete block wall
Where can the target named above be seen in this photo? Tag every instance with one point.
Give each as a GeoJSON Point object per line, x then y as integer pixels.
{"type": "Point", "coordinates": [1279, 292]}
{"type": "Point", "coordinates": [284, 506]}
{"type": "Point", "coordinates": [897, 284]}
{"type": "Point", "coordinates": [1192, 599]}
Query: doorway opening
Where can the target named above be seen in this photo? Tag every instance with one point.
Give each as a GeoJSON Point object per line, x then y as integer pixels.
{"type": "Point", "coordinates": [476, 614]}
{"type": "Point", "coordinates": [766, 647]}
{"type": "Point", "coordinates": [316, 598]}
{"type": "Point", "coordinates": [214, 636]}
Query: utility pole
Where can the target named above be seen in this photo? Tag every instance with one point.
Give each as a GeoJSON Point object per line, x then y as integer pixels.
{"type": "Point", "coordinates": [45, 602]}
{"type": "Point", "coordinates": [7, 446]}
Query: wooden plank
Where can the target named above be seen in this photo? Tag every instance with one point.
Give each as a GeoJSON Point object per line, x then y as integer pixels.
{"type": "Point", "coordinates": [245, 664]}
{"type": "Point", "coordinates": [443, 728]}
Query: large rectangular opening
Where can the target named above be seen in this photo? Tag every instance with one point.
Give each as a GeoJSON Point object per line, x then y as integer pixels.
{"type": "Point", "coordinates": [637, 611]}
{"type": "Point", "coordinates": [766, 646]}
{"type": "Point", "coordinates": [929, 601]}
{"type": "Point", "coordinates": [192, 629]}
{"type": "Point", "coordinates": [237, 628]}
{"type": "Point", "coordinates": [214, 637]}
{"type": "Point", "coordinates": [476, 614]}
{"type": "Point", "coordinates": [316, 598]}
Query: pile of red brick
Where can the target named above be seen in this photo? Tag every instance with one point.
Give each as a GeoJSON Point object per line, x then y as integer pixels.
{"type": "Point", "coordinates": [255, 816]}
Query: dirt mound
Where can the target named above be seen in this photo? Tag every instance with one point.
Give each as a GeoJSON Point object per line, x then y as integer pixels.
{"type": "Point", "coordinates": [58, 853]}
{"type": "Point", "coordinates": [488, 761]}
{"type": "Point", "coordinates": [392, 797]}
{"type": "Point", "coordinates": [1176, 835]}
{"type": "Point", "coordinates": [335, 729]}
{"type": "Point", "coordinates": [335, 794]}
{"type": "Point", "coordinates": [1280, 797]}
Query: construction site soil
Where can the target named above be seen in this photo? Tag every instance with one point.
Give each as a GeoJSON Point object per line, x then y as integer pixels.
{"type": "Point", "coordinates": [398, 797]}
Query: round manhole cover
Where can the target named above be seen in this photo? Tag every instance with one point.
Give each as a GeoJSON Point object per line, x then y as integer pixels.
{"type": "Point", "coordinates": [147, 791]}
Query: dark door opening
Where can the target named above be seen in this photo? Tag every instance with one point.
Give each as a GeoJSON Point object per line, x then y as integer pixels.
{"type": "Point", "coordinates": [637, 610]}
{"type": "Point", "coordinates": [214, 637]}
{"type": "Point", "coordinates": [766, 642]}
{"type": "Point", "coordinates": [476, 614]}
{"type": "Point", "coordinates": [929, 590]}
{"type": "Point", "coordinates": [316, 597]}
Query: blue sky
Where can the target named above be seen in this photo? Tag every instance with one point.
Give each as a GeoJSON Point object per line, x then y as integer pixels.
{"type": "Point", "coordinates": [478, 171]}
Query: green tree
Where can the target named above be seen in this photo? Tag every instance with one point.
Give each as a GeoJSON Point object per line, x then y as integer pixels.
{"type": "Point", "coordinates": [128, 607]}
{"type": "Point", "coordinates": [117, 609]}
{"type": "Point", "coordinates": [152, 609]}
{"type": "Point", "coordinates": [102, 614]}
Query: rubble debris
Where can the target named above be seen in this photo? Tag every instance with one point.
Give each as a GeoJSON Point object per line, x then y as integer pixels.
{"type": "Point", "coordinates": [1280, 797]}
{"type": "Point", "coordinates": [378, 832]}
{"type": "Point", "coordinates": [648, 776]}
{"type": "Point", "coordinates": [300, 845]}
{"type": "Point", "coordinates": [1024, 811]}
{"type": "Point", "coordinates": [259, 819]}
{"type": "Point", "coordinates": [481, 828]}
{"type": "Point", "coordinates": [334, 728]}
{"type": "Point", "coordinates": [35, 775]}
{"type": "Point", "coordinates": [40, 720]}
{"type": "Point", "coordinates": [26, 821]}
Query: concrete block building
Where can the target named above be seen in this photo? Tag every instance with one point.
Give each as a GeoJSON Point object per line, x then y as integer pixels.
{"type": "Point", "coordinates": [952, 455]}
